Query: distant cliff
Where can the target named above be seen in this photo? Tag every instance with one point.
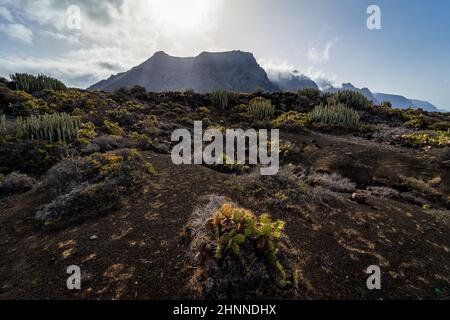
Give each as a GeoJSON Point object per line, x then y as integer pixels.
{"type": "Point", "coordinates": [235, 70]}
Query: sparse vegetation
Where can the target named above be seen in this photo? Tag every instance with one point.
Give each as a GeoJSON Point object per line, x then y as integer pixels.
{"type": "Point", "coordinates": [90, 186]}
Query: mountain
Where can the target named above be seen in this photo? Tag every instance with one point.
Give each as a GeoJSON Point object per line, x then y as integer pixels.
{"type": "Point", "coordinates": [293, 81]}
{"type": "Point", "coordinates": [424, 105]}
{"type": "Point", "coordinates": [397, 101]}
{"type": "Point", "coordinates": [348, 86]}
{"type": "Point", "coordinates": [235, 70]}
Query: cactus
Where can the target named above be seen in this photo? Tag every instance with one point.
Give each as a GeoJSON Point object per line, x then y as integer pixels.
{"type": "Point", "coordinates": [261, 108]}
{"type": "Point", "coordinates": [54, 127]}
{"type": "Point", "coordinates": [335, 114]}
{"type": "Point", "coordinates": [221, 98]}
{"type": "Point", "coordinates": [30, 83]}
{"type": "Point", "coordinates": [351, 99]}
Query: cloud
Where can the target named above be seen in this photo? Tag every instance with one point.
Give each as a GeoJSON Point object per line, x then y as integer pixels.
{"type": "Point", "coordinates": [277, 69]}
{"type": "Point", "coordinates": [6, 15]}
{"type": "Point", "coordinates": [318, 55]}
{"type": "Point", "coordinates": [17, 31]}
{"type": "Point", "coordinates": [115, 35]}
{"type": "Point", "coordinates": [76, 68]}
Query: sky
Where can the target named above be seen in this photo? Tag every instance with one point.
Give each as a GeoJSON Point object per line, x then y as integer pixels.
{"type": "Point", "coordinates": [84, 41]}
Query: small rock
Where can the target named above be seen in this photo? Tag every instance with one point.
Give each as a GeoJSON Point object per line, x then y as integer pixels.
{"type": "Point", "coordinates": [5, 288]}
{"type": "Point", "coordinates": [360, 196]}
{"type": "Point", "coordinates": [209, 285]}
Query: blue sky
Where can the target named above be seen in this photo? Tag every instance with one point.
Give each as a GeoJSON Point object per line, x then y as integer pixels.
{"type": "Point", "coordinates": [326, 40]}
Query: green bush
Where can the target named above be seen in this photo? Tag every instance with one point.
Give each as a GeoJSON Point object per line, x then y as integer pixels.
{"type": "Point", "coordinates": [261, 108]}
{"type": "Point", "coordinates": [53, 127]}
{"type": "Point", "coordinates": [335, 114]}
{"type": "Point", "coordinates": [221, 98]}
{"type": "Point", "coordinates": [30, 83]}
{"type": "Point", "coordinates": [351, 99]}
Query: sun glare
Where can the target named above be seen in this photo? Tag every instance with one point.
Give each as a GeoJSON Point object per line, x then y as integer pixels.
{"type": "Point", "coordinates": [180, 15]}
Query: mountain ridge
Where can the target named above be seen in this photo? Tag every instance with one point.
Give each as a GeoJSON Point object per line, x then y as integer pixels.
{"type": "Point", "coordinates": [232, 70]}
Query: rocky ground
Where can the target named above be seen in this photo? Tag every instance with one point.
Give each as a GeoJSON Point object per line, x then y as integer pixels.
{"type": "Point", "coordinates": [349, 199]}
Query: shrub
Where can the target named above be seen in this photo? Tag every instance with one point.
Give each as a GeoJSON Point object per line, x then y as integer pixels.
{"type": "Point", "coordinates": [87, 130]}
{"type": "Point", "coordinates": [15, 183]}
{"type": "Point", "coordinates": [204, 110]}
{"type": "Point", "coordinates": [221, 98]}
{"type": "Point", "coordinates": [3, 124]}
{"type": "Point", "coordinates": [334, 182]}
{"type": "Point", "coordinates": [30, 83]}
{"type": "Point", "coordinates": [438, 139]}
{"type": "Point", "coordinates": [54, 127]}
{"type": "Point", "coordinates": [351, 99]}
{"type": "Point", "coordinates": [311, 93]}
{"type": "Point", "coordinates": [415, 122]}
{"type": "Point", "coordinates": [335, 114]}
{"type": "Point", "coordinates": [441, 126]}
{"type": "Point", "coordinates": [91, 186]}
{"type": "Point", "coordinates": [261, 108]}
{"type": "Point", "coordinates": [113, 128]}
{"type": "Point", "coordinates": [292, 119]}
{"type": "Point", "coordinates": [39, 156]}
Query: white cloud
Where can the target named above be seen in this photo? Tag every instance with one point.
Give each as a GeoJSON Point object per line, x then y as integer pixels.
{"type": "Point", "coordinates": [321, 55]}
{"type": "Point", "coordinates": [17, 31]}
{"type": "Point", "coordinates": [115, 35]}
{"type": "Point", "coordinates": [5, 14]}
{"type": "Point", "coordinates": [76, 68]}
{"type": "Point", "coordinates": [276, 69]}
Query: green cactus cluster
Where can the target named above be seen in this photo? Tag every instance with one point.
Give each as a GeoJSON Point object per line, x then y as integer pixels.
{"type": "Point", "coordinates": [351, 99]}
{"type": "Point", "coordinates": [30, 83]}
{"type": "Point", "coordinates": [53, 127]}
{"type": "Point", "coordinates": [335, 114]}
{"type": "Point", "coordinates": [238, 229]}
{"type": "Point", "coordinates": [261, 108]}
{"type": "Point", "coordinates": [221, 98]}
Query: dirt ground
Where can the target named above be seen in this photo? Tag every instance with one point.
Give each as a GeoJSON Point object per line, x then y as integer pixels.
{"type": "Point", "coordinates": [139, 252]}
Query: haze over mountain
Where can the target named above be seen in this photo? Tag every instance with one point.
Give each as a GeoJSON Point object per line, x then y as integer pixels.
{"type": "Point", "coordinates": [292, 81]}
{"type": "Point", "coordinates": [234, 70]}
{"type": "Point", "coordinates": [397, 101]}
